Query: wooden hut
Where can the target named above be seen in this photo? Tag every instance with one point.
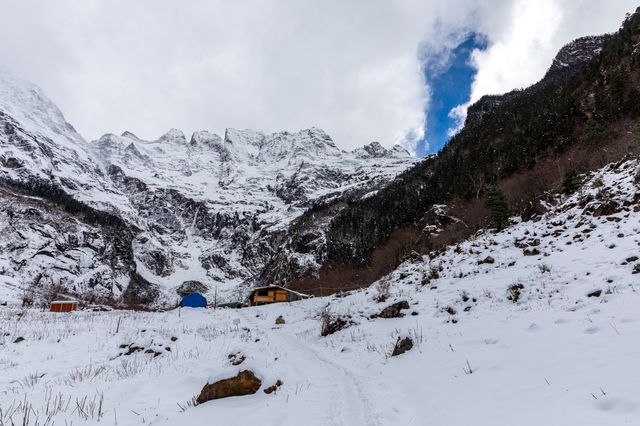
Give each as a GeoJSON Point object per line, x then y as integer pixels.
{"type": "Point", "coordinates": [274, 294]}
{"type": "Point", "coordinates": [63, 306]}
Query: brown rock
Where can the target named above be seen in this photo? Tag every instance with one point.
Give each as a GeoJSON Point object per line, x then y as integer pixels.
{"type": "Point", "coordinates": [606, 209]}
{"type": "Point", "coordinates": [402, 346]}
{"type": "Point", "coordinates": [280, 320]}
{"type": "Point", "coordinates": [273, 388]}
{"type": "Point", "coordinates": [245, 383]}
{"type": "Point", "coordinates": [393, 311]}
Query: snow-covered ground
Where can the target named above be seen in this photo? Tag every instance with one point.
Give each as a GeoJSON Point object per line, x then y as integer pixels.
{"type": "Point", "coordinates": [560, 348]}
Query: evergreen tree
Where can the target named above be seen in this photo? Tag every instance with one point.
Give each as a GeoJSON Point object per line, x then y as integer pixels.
{"type": "Point", "coordinates": [496, 203]}
{"type": "Point", "coordinates": [636, 131]}
{"type": "Point", "coordinates": [572, 182]}
{"type": "Point", "coordinates": [594, 132]}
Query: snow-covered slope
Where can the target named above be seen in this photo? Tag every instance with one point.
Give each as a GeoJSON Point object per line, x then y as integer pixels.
{"type": "Point", "coordinates": [37, 144]}
{"type": "Point", "coordinates": [537, 324]}
{"type": "Point", "coordinates": [206, 209]}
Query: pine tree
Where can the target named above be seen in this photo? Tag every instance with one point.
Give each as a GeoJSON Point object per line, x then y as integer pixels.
{"type": "Point", "coordinates": [636, 131]}
{"type": "Point", "coordinates": [572, 182]}
{"type": "Point", "coordinates": [496, 203]}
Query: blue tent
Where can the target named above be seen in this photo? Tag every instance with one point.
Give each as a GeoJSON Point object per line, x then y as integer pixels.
{"type": "Point", "coordinates": [193, 300]}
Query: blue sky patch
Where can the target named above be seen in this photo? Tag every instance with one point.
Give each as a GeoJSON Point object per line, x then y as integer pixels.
{"type": "Point", "coordinates": [450, 86]}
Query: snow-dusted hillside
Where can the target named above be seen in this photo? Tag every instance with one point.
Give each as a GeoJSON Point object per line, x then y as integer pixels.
{"type": "Point", "coordinates": [537, 324]}
{"type": "Point", "coordinates": [121, 216]}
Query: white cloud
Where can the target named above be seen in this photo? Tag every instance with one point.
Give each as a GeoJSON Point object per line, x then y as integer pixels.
{"type": "Point", "coordinates": [350, 67]}
{"type": "Point", "coordinates": [521, 52]}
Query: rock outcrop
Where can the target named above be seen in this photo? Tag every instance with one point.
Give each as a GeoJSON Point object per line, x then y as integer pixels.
{"type": "Point", "coordinates": [244, 383]}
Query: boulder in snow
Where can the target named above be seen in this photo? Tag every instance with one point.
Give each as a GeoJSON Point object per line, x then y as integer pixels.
{"type": "Point", "coordinates": [245, 383]}
{"type": "Point", "coordinates": [393, 311]}
{"type": "Point", "coordinates": [402, 345]}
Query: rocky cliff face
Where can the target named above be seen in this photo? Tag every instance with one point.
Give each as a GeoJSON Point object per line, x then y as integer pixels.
{"type": "Point", "coordinates": [122, 217]}
{"type": "Point", "coordinates": [577, 53]}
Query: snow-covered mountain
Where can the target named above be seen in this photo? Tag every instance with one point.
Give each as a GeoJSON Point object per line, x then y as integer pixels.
{"type": "Point", "coordinates": [122, 216]}
{"type": "Point", "coordinates": [533, 325]}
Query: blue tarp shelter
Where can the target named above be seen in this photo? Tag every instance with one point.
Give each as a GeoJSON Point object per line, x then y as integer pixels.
{"type": "Point", "coordinates": [193, 300]}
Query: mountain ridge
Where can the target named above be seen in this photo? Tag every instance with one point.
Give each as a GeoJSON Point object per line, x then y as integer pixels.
{"type": "Point", "coordinates": [207, 208]}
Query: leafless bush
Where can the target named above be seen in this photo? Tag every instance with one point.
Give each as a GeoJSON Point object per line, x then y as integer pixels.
{"type": "Point", "coordinates": [330, 322]}
{"type": "Point", "coordinates": [383, 289]}
{"type": "Point", "coordinates": [543, 267]}
{"type": "Point", "coordinates": [514, 292]}
{"type": "Point", "coordinates": [450, 310]}
{"type": "Point", "coordinates": [432, 274]}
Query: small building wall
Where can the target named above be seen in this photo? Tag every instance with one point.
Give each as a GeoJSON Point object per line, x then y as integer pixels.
{"type": "Point", "coordinates": [273, 295]}
{"type": "Point", "coordinates": [268, 298]}
{"type": "Point", "coordinates": [281, 296]}
{"type": "Point", "coordinates": [63, 306]}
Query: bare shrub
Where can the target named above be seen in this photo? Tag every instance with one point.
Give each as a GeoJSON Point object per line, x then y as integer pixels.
{"type": "Point", "coordinates": [544, 268]}
{"type": "Point", "coordinates": [383, 289]}
{"type": "Point", "coordinates": [450, 310]}
{"type": "Point", "coordinates": [331, 323]}
{"type": "Point", "coordinates": [514, 292]}
{"type": "Point", "coordinates": [432, 274]}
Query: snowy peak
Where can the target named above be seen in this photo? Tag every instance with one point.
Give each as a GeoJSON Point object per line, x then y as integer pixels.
{"type": "Point", "coordinates": [28, 105]}
{"type": "Point", "coordinates": [376, 150]}
{"type": "Point", "coordinates": [205, 138]}
{"type": "Point", "coordinates": [281, 146]}
{"type": "Point", "coordinates": [173, 136]}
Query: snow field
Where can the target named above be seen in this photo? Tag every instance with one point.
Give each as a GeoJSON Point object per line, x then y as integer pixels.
{"type": "Point", "coordinates": [556, 351]}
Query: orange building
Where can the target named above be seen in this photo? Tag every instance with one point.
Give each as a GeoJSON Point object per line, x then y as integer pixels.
{"type": "Point", "coordinates": [274, 294]}
{"type": "Point", "coordinates": [63, 306]}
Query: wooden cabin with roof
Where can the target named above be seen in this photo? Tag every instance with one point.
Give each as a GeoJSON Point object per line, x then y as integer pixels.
{"type": "Point", "coordinates": [274, 294]}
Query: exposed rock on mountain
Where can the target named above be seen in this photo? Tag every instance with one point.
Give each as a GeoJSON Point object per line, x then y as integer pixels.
{"type": "Point", "coordinates": [122, 217]}
{"type": "Point", "coordinates": [577, 53]}
{"type": "Point", "coordinates": [568, 60]}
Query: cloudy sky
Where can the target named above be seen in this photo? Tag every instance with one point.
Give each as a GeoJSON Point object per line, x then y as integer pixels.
{"type": "Point", "coordinates": [362, 70]}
